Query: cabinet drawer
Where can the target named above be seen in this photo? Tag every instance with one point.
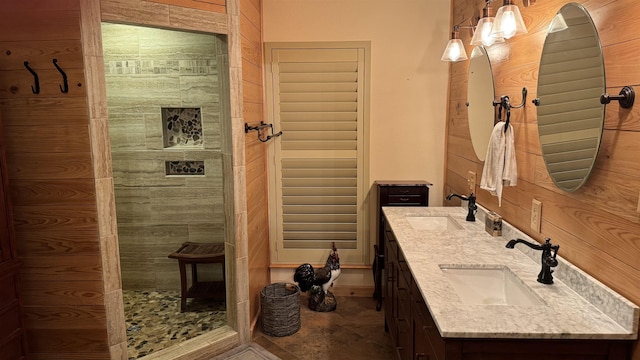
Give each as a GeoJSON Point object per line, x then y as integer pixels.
{"type": "Point", "coordinates": [407, 190]}
{"type": "Point", "coordinates": [405, 200]}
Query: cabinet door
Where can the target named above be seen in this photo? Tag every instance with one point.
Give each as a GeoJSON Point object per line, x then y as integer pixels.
{"type": "Point", "coordinates": [405, 322]}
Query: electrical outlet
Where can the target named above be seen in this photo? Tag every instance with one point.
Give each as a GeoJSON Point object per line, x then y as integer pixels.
{"type": "Point", "coordinates": [471, 181]}
{"type": "Point", "coordinates": [536, 214]}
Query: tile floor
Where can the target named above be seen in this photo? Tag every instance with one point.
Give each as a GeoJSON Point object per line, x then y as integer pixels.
{"type": "Point", "coordinates": [355, 330]}
{"type": "Point", "coordinates": [154, 321]}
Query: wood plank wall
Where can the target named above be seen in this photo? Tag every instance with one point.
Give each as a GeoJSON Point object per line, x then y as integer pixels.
{"type": "Point", "coordinates": [255, 151]}
{"type": "Point", "coordinates": [52, 180]}
{"type": "Point", "coordinates": [53, 187]}
{"type": "Point", "coordinates": [598, 226]}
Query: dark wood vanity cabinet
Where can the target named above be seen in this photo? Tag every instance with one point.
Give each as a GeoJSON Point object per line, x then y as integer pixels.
{"type": "Point", "coordinates": [415, 334]}
{"type": "Point", "coordinates": [393, 193]}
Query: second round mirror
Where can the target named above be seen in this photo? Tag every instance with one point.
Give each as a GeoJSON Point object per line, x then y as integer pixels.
{"type": "Point", "coordinates": [570, 82]}
{"type": "Point", "coordinates": [480, 96]}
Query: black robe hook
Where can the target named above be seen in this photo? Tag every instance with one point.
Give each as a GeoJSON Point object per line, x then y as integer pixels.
{"type": "Point", "coordinates": [35, 90]}
{"type": "Point", "coordinates": [64, 89]}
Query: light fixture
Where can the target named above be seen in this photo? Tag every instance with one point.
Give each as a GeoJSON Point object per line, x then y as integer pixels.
{"type": "Point", "coordinates": [508, 21]}
{"type": "Point", "coordinates": [482, 35]}
{"type": "Point", "coordinates": [455, 48]}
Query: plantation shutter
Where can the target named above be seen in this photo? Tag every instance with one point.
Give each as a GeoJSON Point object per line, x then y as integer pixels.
{"type": "Point", "coordinates": [318, 175]}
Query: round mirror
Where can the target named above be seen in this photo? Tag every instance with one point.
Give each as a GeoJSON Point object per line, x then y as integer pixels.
{"type": "Point", "coordinates": [480, 96]}
{"type": "Point", "coordinates": [570, 82]}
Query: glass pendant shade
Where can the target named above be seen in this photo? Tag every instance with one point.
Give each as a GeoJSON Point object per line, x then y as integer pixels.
{"type": "Point", "coordinates": [455, 49]}
{"type": "Point", "coordinates": [482, 35]}
{"type": "Point", "coordinates": [508, 21]}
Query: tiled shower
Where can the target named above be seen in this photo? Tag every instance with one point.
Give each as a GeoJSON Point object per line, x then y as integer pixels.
{"type": "Point", "coordinates": [166, 106]}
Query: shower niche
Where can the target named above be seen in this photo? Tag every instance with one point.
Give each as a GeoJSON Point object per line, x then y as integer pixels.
{"type": "Point", "coordinates": [182, 127]}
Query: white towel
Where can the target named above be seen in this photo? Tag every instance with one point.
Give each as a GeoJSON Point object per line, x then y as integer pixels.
{"type": "Point", "coordinates": [500, 168]}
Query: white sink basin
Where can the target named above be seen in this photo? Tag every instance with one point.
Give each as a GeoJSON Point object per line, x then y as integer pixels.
{"type": "Point", "coordinates": [496, 285]}
{"type": "Point", "coordinates": [433, 223]}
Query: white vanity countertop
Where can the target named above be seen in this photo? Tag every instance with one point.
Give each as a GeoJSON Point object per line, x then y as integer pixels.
{"type": "Point", "coordinates": [577, 306]}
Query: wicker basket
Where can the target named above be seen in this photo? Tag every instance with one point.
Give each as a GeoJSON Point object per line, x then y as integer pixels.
{"type": "Point", "coordinates": [280, 309]}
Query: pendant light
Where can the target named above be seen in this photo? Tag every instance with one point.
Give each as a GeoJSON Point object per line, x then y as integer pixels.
{"type": "Point", "coordinates": [455, 48]}
{"type": "Point", "coordinates": [508, 21]}
{"type": "Point", "coordinates": [482, 35]}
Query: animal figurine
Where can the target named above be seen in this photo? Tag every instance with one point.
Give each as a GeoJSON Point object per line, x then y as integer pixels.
{"type": "Point", "coordinates": [318, 282]}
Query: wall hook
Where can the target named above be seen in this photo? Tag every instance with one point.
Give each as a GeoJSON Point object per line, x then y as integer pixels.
{"type": "Point", "coordinates": [259, 129]}
{"type": "Point", "coordinates": [505, 104]}
{"type": "Point", "coordinates": [625, 98]}
{"type": "Point", "coordinates": [35, 90]}
{"type": "Point", "coordinates": [64, 89]}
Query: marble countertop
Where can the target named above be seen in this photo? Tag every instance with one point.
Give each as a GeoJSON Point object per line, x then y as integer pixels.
{"type": "Point", "coordinates": [576, 306]}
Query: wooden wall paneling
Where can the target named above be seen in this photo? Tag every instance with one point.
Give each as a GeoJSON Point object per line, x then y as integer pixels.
{"type": "Point", "coordinates": [19, 82]}
{"type": "Point", "coordinates": [54, 293]}
{"type": "Point", "coordinates": [135, 12]}
{"type": "Point", "coordinates": [72, 317]}
{"type": "Point", "coordinates": [12, 330]}
{"type": "Point", "coordinates": [618, 152]}
{"type": "Point", "coordinates": [251, 30]}
{"type": "Point", "coordinates": [13, 54]}
{"type": "Point", "coordinates": [255, 152]}
{"type": "Point", "coordinates": [461, 147]}
{"type": "Point", "coordinates": [52, 180]}
{"type": "Point", "coordinates": [37, 111]}
{"type": "Point", "coordinates": [67, 341]}
{"type": "Point", "coordinates": [252, 93]}
{"type": "Point", "coordinates": [22, 24]}
{"type": "Point", "coordinates": [252, 113]}
{"type": "Point", "coordinates": [621, 119]}
{"type": "Point", "coordinates": [617, 21]}
{"type": "Point", "coordinates": [53, 192]}
{"type": "Point", "coordinates": [54, 139]}
{"type": "Point", "coordinates": [250, 9]}
{"type": "Point", "coordinates": [620, 64]}
{"type": "Point", "coordinates": [251, 73]}
{"type": "Point", "coordinates": [52, 166]}
{"type": "Point", "coordinates": [207, 5]}
{"type": "Point", "coordinates": [193, 19]}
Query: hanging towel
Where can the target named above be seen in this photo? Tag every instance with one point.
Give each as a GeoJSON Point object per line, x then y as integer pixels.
{"type": "Point", "coordinates": [500, 168]}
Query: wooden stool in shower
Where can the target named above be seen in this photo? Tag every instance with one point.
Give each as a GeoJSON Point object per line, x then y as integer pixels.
{"type": "Point", "coordinates": [199, 253]}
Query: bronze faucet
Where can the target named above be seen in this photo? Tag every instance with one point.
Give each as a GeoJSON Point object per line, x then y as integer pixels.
{"type": "Point", "coordinates": [548, 261]}
{"type": "Point", "coordinates": [471, 199]}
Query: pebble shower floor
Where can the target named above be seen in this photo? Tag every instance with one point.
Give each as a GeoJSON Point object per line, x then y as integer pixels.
{"type": "Point", "coordinates": [154, 321]}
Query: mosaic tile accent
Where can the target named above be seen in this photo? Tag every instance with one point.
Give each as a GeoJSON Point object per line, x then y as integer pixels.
{"type": "Point", "coordinates": [160, 66]}
{"type": "Point", "coordinates": [182, 126]}
{"type": "Point", "coordinates": [185, 167]}
{"type": "Point", "coordinates": [154, 321]}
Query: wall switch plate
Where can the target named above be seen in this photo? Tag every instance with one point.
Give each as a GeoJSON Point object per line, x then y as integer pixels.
{"type": "Point", "coordinates": [536, 214]}
{"type": "Point", "coordinates": [471, 181]}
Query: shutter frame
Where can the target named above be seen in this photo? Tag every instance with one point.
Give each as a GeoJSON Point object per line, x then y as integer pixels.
{"type": "Point", "coordinates": [317, 177]}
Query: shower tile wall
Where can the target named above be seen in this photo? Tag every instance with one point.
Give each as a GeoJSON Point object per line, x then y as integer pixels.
{"type": "Point", "coordinates": [146, 70]}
